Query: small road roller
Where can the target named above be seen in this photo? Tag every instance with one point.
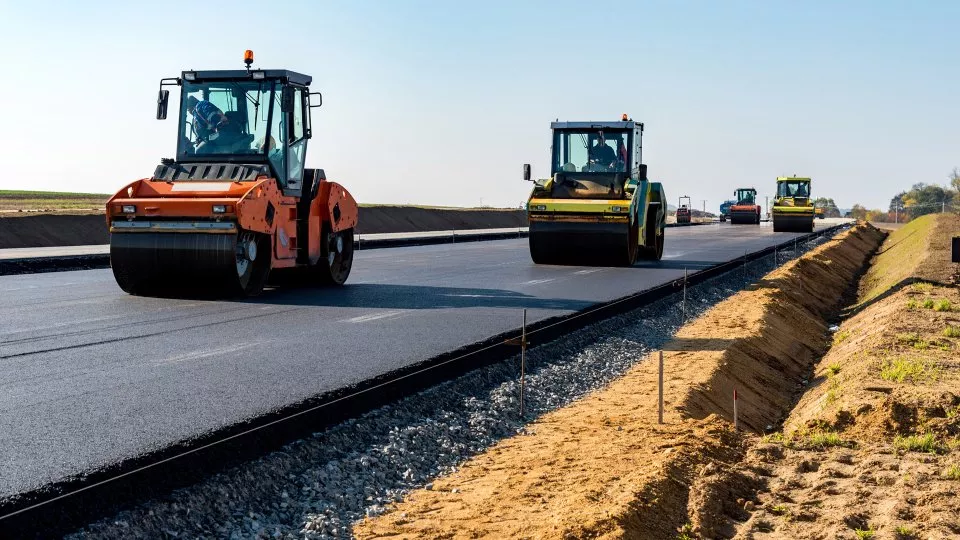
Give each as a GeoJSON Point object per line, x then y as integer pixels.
{"type": "Point", "coordinates": [746, 210]}
{"type": "Point", "coordinates": [792, 207]}
{"type": "Point", "coordinates": [684, 213]}
{"type": "Point", "coordinates": [236, 206]}
{"type": "Point", "coordinates": [598, 208]}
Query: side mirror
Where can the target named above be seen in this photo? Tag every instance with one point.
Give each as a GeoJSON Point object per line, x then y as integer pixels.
{"type": "Point", "coordinates": [286, 99]}
{"type": "Point", "coordinates": [318, 99]}
{"type": "Point", "coordinates": [643, 171]}
{"type": "Point", "coordinates": [162, 100]}
{"type": "Point", "coordinates": [526, 171]}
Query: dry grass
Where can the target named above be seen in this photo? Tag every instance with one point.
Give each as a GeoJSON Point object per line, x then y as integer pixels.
{"type": "Point", "coordinates": [904, 368]}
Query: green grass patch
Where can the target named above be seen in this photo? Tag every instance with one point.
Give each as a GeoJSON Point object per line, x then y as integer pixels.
{"type": "Point", "coordinates": [780, 510]}
{"type": "Point", "coordinates": [863, 534]}
{"type": "Point", "coordinates": [912, 304]}
{"type": "Point", "coordinates": [951, 331]}
{"type": "Point", "coordinates": [926, 443]}
{"type": "Point", "coordinates": [898, 258]}
{"type": "Point", "coordinates": [943, 305]}
{"type": "Point", "coordinates": [826, 439]}
{"type": "Point", "coordinates": [927, 304]}
{"type": "Point", "coordinates": [902, 368]}
{"type": "Point", "coordinates": [833, 369]}
{"type": "Point", "coordinates": [922, 287]}
{"type": "Point", "coordinates": [57, 195]}
{"type": "Point", "coordinates": [904, 533]}
{"type": "Point", "coordinates": [908, 338]}
{"type": "Point", "coordinates": [952, 472]}
{"type": "Point", "coordinates": [840, 337]}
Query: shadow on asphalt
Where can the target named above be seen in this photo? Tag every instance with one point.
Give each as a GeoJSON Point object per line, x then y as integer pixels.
{"type": "Point", "coordinates": [388, 296]}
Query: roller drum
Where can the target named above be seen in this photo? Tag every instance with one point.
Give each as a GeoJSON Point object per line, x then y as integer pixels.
{"type": "Point", "coordinates": [582, 243]}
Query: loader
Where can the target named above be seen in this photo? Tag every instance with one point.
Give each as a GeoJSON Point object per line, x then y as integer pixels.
{"type": "Point", "coordinates": [236, 206]}
{"type": "Point", "coordinates": [792, 206]}
{"type": "Point", "coordinates": [598, 207]}
{"type": "Point", "coordinates": [746, 210]}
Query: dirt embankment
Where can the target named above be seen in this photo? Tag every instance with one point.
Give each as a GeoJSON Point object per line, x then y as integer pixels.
{"type": "Point", "coordinates": [873, 448]}
{"type": "Point", "coordinates": [46, 230]}
{"type": "Point", "coordinates": [603, 468]}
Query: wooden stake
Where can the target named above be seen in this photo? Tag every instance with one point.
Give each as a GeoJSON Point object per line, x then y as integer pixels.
{"type": "Point", "coordinates": [523, 359]}
{"type": "Point", "coordinates": [660, 390]}
{"type": "Point", "coordinates": [736, 421]}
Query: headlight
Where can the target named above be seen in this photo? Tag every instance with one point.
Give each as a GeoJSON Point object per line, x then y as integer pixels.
{"type": "Point", "coordinates": [257, 75]}
{"type": "Point", "coordinates": [128, 209]}
{"type": "Point", "coordinates": [616, 209]}
{"type": "Point", "coordinates": [190, 76]}
{"type": "Point", "coordinates": [219, 209]}
{"type": "Point", "coordinates": [538, 207]}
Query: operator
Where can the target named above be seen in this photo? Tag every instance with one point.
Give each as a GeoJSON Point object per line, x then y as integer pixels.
{"type": "Point", "coordinates": [207, 115]}
{"type": "Point", "coordinates": [602, 154]}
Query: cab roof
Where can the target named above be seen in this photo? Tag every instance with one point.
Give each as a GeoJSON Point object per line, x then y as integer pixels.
{"type": "Point", "coordinates": [596, 125]}
{"type": "Point", "coordinates": [243, 75]}
{"type": "Point", "coordinates": [791, 178]}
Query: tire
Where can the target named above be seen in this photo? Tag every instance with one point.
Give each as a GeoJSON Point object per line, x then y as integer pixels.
{"type": "Point", "coordinates": [628, 257]}
{"type": "Point", "coordinates": [336, 256]}
{"type": "Point", "coordinates": [252, 274]}
{"type": "Point", "coordinates": [653, 247]}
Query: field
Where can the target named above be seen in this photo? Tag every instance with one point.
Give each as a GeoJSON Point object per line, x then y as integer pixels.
{"type": "Point", "coordinates": [50, 201]}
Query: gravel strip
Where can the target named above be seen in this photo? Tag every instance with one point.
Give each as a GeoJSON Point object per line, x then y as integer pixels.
{"type": "Point", "coordinates": [317, 487]}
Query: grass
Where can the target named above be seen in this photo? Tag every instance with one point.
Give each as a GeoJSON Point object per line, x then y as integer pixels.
{"type": "Point", "coordinates": [826, 439]}
{"type": "Point", "coordinates": [58, 195]}
{"type": "Point", "coordinates": [908, 338]}
{"type": "Point", "coordinates": [780, 510]}
{"type": "Point", "coordinates": [898, 258]}
{"type": "Point", "coordinates": [926, 443]}
{"type": "Point", "coordinates": [952, 472]}
{"type": "Point", "coordinates": [912, 304]}
{"type": "Point", "coordinates": [864, 533]}
{"type": "Point", "coordinates": [902, 368]}
{"type": "Point", "coordinates": [927, 304]}
{"type": "Point", "coordinates": [840, 337]}
{"type": "Point", "coordinates": [904, 532]}
{"type": "Point", "coordinates": [942, 305]}
{"type": "Point", "coordinates": [951, 331]}
{"type": "Point", "coordinates": [833, 369]}
{"type": "Point", "coordinates": [686, 532]}
{"type": "Point", "coordinates": [922, 287]}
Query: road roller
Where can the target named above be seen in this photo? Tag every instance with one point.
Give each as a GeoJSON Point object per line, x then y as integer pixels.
{"type": "Point", "coordinates": [597, 208]}
{"type": "Point", "coordinates": [746, 210]}
{"type": "Point", "coordinates": [684, 213]}
{"type": "Point", "coordinates": [792, 207]}
{"type": "Point", "coordinates": [236, 206]}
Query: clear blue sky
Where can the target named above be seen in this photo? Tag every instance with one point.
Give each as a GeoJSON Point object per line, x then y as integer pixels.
{"type": "Point", "coordinates": [440, 102]}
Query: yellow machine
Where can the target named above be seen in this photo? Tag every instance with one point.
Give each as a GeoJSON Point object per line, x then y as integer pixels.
{"type": "Point", "coordinates": [793, 207]}
{"type": "Point", "coordinates": [598, 207]}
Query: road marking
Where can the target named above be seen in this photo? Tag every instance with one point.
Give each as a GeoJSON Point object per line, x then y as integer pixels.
{"type": "Point", "coordinates": [197, 355]}
{"type": "Point", "coordinates": [538, 281]}
{"type": "Point", "coordinates": [374, 316]}
{"type": "Point", "coordinates": [585, 272]}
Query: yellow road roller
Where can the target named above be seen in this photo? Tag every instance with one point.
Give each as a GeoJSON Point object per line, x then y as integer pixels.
{"type": "Point", "coordinates": [597, 208]}
{"type": "Point", "coordinates": [792, 207]}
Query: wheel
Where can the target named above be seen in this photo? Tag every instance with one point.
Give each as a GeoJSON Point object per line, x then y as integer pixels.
{"type": "Point", "coordinates": [653, 249]}
{"type": "Point", "coordinates": [252, 263]}
{"type": "Point", "coordinates": [628, 256]}
{"type": "Point", "coordinates": [336, 256]}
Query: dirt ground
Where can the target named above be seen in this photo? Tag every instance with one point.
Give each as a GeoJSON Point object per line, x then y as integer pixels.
{"type": "Point", "coordinates": [28, 229]}
{"type": "Point", "coordinates": [604, 468]}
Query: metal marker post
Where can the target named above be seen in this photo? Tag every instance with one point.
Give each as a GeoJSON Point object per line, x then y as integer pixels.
{"type": "Point", "coordinates": [744, 265]}
{"type": "Point", "coordinates": [454, 235]}
{"type": "Point", "coordinates": [683, 304]}
{"type": "Point", "coordinates": [660, 390]}
{"type": "Point", "coordinates": [523, 359]}
{"type": "Point", "coordinates": [736, 421]}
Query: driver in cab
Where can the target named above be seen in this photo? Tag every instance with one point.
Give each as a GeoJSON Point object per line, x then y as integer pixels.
{"type": "Point", "coordinates": [602, 154]}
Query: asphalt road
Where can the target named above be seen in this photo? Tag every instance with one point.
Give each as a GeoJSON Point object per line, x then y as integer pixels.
{"type": "Point", "coordinates": [91, 376]}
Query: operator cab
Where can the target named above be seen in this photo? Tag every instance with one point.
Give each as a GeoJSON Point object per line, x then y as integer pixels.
{"type": "Point", "coordinates": [595, 159]}
{"type": "Point", "coordinates": [254, 118]}
{"type": "Point", "coordinates": [793, 187]}
{"type": "Point", "coordinates": [745, 196]}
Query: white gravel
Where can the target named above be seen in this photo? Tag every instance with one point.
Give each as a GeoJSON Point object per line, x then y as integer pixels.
{"type": "Point", "coordinates": [317, 487]}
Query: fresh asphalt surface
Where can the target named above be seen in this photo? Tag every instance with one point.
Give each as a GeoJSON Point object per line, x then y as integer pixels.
{"type": "Point", "coordinates": [91, 375]}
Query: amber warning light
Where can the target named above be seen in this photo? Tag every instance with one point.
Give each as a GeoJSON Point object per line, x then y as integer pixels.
{"type": "Point", "coordinates": [248, 57]}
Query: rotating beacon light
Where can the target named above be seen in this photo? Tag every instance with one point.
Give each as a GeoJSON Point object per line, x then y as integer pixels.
{"type": "Point", "coordinates": [248, 58]}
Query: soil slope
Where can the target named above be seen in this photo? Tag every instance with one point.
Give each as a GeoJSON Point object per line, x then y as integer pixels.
{"type": "Point", "coordinates": [603, 468]}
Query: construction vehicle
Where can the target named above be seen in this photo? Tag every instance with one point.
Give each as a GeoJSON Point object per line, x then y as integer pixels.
{"type": "Point", "coordinates": [725, 210]}
{"type": "Point", "coordinates": [792, 207]}
{"type": "Point", "coordinates": [598, 207]}
{"type": "Point", "coordinates": [819, 212]}
{"type": "Point", "coordinates": [236, 205]}
{"type": "Point", "coordinates": [746, 210]}
{"type": "Point", "coordinates": [683, 210]}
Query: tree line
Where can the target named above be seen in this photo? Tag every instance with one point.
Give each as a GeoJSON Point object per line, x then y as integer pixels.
{"type": "Point", "coordinates": [919, 200]}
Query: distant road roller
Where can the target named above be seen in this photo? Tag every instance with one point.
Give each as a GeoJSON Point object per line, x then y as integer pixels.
{"type": "Point", "coordinates": [746, 210]}
{"type": "Point", "coordinates": [792, 207]}
{"type": "Point", "coordinates": [598, 208]}
{"type": "Point", "coordinates": [684, 213]}
{"type": "Point", "coordinates": [237, 203]}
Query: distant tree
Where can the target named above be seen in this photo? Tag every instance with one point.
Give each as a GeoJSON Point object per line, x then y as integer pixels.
{"type": "Point", "coordinates": [858, 212]}
{"type": "Point", "coordinates": [829, 207]}
{"type": "Point", "coordinates": [955, 179]}
{"type": "Point", "coordinates": [877, 215]}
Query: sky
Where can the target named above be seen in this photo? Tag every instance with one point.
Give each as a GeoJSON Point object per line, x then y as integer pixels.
{"type": "Point", "coordinates": [441, 103]}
